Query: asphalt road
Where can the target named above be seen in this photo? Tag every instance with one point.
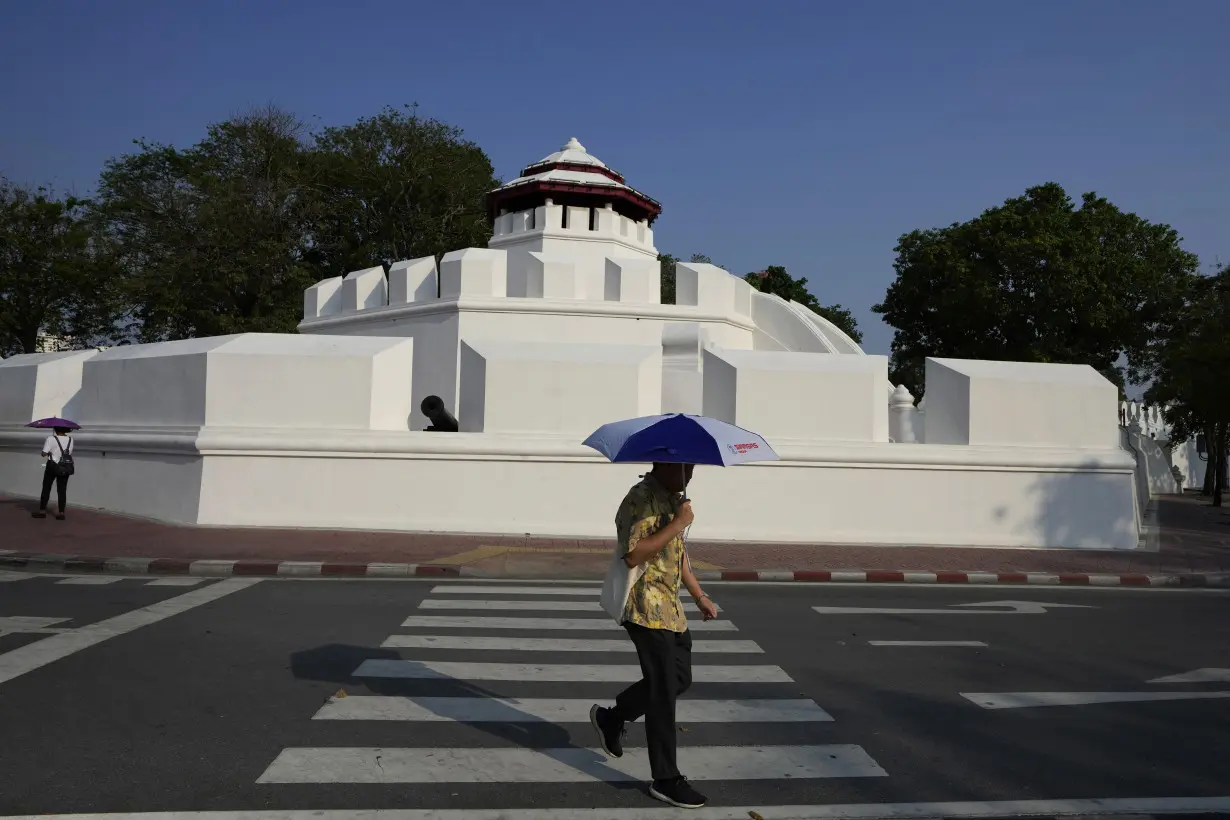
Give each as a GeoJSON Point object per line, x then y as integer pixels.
{"type": "Point", "coordinates": [152, 697]}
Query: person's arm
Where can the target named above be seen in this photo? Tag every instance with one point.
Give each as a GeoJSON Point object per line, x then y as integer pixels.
{"type": "Point", "coordinates": [703, 601]}
{"type": "Point", "coordinates": [648, 546]}
{"type": "Point", "coordinates": [689, 580]}
{"type": "Point", "coordinates": [46, 448]}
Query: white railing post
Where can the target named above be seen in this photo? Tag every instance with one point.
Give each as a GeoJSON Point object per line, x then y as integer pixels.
{"type": "Point", "coordinates": [902, 416]}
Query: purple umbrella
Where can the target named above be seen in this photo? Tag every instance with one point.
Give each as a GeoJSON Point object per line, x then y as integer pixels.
{"type": "Point", "coordinates": [53, 422]}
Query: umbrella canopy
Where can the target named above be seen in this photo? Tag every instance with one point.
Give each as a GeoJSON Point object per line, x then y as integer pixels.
{"type": "Point", "coordinates": [678, 438]}
{"type": "Point", "coordinates": [53, 422]}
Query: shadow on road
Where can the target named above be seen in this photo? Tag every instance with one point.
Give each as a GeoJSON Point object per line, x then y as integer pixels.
{"type": "Point", "coordinates": [336, 663]}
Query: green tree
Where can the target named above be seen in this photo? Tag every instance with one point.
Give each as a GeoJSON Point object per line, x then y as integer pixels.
{"type": "Point", "coordinates": [1036, 279]}
{"type": "Point", "coordinates": [215, 239]}
{"type": "Point", "coordinates": [397, 186]}
{"type": "Point", "coordinates": [56, 278]}
{"type": "Point", "coordinates": [1188, 368]}
{"type": "Point", "coordinates": [777, 280]}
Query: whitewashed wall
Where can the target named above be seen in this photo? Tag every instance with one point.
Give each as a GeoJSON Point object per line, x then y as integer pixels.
{"type": "Point", "coordinates": [877, 494]}
{"type": "Point", "coordinates": [197, 432]}
{"type": "Point", "coordinates": [791, 397]}
{"type": "Point", "coordinates": [41, 385]}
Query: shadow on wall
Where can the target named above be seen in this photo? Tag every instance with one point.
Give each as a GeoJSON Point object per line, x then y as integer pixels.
{"type": "Point", "coordinates": [71, 409]}
{"type": "Point", "coordinates": [432, 691]}
{"type": "Point", "coordinates": [1088, 510]}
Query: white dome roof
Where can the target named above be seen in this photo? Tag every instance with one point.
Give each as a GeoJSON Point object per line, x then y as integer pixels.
{"type": "Point", "coordinates": [573, 151]}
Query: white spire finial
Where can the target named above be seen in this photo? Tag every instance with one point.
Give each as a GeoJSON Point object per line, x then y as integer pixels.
{"type": "Point", "coordinates": [573, 145]}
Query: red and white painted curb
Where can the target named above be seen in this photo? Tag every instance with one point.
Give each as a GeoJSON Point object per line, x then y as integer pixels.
{"type": "Point", "coordinates": [340, 569]}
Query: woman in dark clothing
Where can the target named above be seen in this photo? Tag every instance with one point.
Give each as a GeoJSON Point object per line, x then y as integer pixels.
{"type": "Point", "coordinates": [58, 450]}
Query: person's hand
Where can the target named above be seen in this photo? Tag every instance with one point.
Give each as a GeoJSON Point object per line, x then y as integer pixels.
{"type": "Point", "coordinates": [683, 518]}
{"type": "Point", "coordinates": [707, 608]}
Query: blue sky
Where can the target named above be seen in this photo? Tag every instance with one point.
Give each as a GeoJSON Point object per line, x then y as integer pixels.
{"type": "Point", "coordinates": [805, 134]}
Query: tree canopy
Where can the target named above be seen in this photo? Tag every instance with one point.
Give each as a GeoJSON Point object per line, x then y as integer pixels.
{"type": "Point", "coordinates": [397, 186]}
{"type": "Point", "coordinates": [1036, 279]}
{"type": "Point", "coordinates": [224, 236]}
{"type": "Point", "coordinates": [1188, 367]}
{"type": "Point", "coordinates": [215, 238]}
{"type": "Point", "coordinates": [56, 278]}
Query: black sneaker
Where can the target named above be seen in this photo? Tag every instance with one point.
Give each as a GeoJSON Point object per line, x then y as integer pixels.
{"type": "Point", "coordinates": [610, 731]}
{"type": "Point", "coordinates": [678, 792]}
{"type": "Point", "coordinates": [39, 514]}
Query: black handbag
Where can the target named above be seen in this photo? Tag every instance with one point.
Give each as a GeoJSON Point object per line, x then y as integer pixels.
{"type": "Point", "coordinates": [65, 466]}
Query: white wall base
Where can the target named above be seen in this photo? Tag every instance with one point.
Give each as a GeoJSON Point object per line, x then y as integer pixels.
{"type": "Point", "coordinates": [876, 494]}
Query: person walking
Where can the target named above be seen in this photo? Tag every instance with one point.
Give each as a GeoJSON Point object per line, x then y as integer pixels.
{"type": "Point", "coordinates": [58, 450]}
{"type": "Point", "coordinates": [650, 525]}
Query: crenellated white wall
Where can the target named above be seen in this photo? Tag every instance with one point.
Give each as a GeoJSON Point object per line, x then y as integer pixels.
{"type": "Point", "coordinates": [798, 397]}
{"type": "Point", "coordinates": [197, 431]}
{"type": "Point", "coordinates": [532, 343]}
{"type": "Point", "coordinates": [542, 388]}
{"type": "Point", "coordinates": [523, 296]}
{"type": "Point", "coordinates": [1148, 429]}
{"type": "Point", "coordinates": [574, 245]}
{"type": "Point", "coordinates": [973, 402]}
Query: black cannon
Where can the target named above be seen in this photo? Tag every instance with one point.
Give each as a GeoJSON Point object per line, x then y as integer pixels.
{"type": "Point", "coordinates": [441, 420]}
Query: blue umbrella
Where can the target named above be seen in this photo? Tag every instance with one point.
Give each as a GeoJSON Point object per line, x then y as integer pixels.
{"type": "Point", "coordinates": [678, 438]}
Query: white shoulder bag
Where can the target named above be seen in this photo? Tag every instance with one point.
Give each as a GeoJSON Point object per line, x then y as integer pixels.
{"type": "Point", "coordinates": [618, 584]}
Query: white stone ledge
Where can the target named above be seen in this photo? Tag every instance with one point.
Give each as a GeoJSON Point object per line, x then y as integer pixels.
{"type": "Point", "coordinates": [515, 304]}
{"type": "Point", "coordinates": [486, 446]}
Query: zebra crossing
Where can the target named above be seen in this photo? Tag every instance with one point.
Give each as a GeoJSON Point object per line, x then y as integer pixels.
{"type": "Point", "coordinates": [477, 667]}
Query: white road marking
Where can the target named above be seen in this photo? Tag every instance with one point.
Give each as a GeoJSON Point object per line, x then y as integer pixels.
{"type": "Point", "coordinates": [174, 582]}
{"type": "Point", "coordinates": [541, 624]}
{"type": "Point", "coordinates": [567, 673]}
{"type": "Point", "coordinates": [15, 576]}
{"type": "Point", "coordinates": [1010, 608]}
{"type": "Point", "coordinates": [89, 580]}
{"type": "Point", "coordinates": [18, 662]}
{"type": "Point", "coordinates": [554, 710]}
{"type": "Point", "coordinates": [551, 644]}
{"type": "Point", "coordinates": [567, 765]}
{"type": "Point", "coordinates": [1027, 700]}
{"type": "Point", "coordinates": [1208, 675]}
{"type": "Point", "coordinates": [470, 589]}
{"type": "Point", "coordinates": [1029, 606]}
{"type": "Point", "coordinates": [1103, 807]}
{"type": "Point", "coordinates": [559, 606]}
{"type": "Point", "coordinates": [29, 624]}
{"type": "Point", "coordinates": [926, 643]}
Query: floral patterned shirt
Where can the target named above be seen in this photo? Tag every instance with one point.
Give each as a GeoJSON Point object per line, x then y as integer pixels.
{"type": "Point", "coordinates": [654, 599]}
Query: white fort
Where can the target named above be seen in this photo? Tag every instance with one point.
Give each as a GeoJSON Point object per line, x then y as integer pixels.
{"type": "Point", "coordinates": [553, 329]}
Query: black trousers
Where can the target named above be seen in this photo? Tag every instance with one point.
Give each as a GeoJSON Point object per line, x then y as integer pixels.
{"type": "Point", "coordinates": [50, 476]}
{"type": "Point", "coordinates": [666, 673]}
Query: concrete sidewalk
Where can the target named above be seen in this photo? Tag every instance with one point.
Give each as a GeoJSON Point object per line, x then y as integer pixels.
{"type": "Point", "coordinates": [1193, 538]}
